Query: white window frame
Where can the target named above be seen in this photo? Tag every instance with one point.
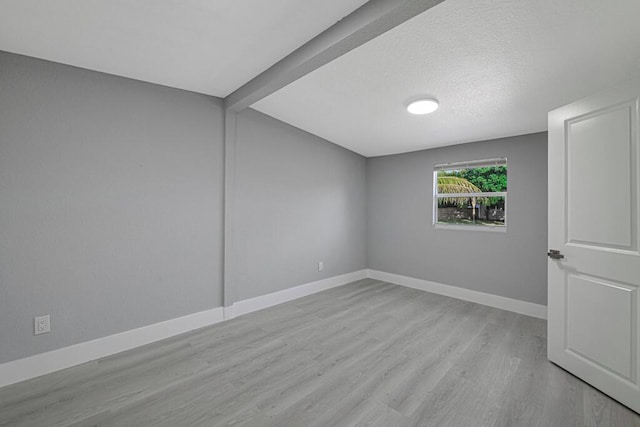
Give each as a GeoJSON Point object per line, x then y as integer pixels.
{"type": "Point", "coordinates": [468, 165]}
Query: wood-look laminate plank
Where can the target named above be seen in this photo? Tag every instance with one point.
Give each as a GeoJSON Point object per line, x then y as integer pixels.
{"type": "Point", "coordinates": [364, 354]}
{"type": "Point", "coordinates": [473, 389]}
{"type": "Point", "coordinates": [600, 411]}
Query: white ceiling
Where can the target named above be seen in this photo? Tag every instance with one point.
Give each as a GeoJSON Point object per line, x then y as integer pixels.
{"type": "Point", "coordinates": [207, 46]}
{"type": "Point", "coordinates": [497, 67]}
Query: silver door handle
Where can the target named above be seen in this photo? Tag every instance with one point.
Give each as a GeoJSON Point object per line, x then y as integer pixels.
{"type": "Point", "coordinates": [554, 254]}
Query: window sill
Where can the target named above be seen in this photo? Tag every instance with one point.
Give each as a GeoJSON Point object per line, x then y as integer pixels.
{"type": "Point", "coordinates": [460, 227]}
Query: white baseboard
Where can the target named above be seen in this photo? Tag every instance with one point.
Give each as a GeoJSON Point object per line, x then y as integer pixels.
{"type": "Point", "coordinates": [228, 312]}
{"type": "Point", "coordinates": [275, 298]}
{"type": "Point", "coordinates": [509, 304]}
{"type": "Point", "coordinates": [55, 360]}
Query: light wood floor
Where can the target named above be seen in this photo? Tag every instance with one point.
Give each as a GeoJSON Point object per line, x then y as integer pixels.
{"type": "Point", "coordinates": [367, 353]}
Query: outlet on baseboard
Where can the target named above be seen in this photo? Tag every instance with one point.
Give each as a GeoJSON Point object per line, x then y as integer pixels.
{"type": "Point", "coordinates": [320, 265]}
{"type": "Point", "coordinates": [42, 324]}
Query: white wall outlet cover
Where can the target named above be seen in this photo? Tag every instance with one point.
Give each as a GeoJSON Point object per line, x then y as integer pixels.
{"type": "Point", "coordinates": [320, 265]}
{"type": "Point", "coordinates": [42, 324]}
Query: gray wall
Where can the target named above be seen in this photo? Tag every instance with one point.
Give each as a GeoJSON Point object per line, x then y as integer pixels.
{"type": "Point", "coordinates": [402, 239]}
{"type": "Point", "coordinates": [110, 204]}
{"type": "Point", "coordinates": [111, 208]}
{"type": "Point", "coordinates": [298, 199]}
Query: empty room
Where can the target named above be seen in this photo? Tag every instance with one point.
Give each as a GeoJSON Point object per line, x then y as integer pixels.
{"type": "Point", "coordinates": [286, 213]}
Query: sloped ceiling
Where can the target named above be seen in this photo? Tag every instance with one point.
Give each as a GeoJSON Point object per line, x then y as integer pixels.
{"type": "Point", "coordinates": [496, 66]}
{"type": "Point", "coordinates": [207, 46]}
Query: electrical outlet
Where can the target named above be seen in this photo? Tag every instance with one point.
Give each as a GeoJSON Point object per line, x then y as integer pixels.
{"type": "Point", "coordinates": [320, 265]}
{"type": "Point", "coordinates": [42, 324]}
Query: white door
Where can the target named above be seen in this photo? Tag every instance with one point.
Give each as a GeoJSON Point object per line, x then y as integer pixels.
{"type": "Point", "coordinates": [594, 221]}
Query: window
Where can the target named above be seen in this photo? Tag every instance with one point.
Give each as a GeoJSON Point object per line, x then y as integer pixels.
{"type": "Point", "coordinates": [471, 194]}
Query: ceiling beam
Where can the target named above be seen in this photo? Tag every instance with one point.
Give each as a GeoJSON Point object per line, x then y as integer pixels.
{"type": "Point", "coordinates": [365, 23]}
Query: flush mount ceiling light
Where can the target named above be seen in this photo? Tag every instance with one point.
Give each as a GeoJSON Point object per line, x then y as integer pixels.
{"type": "Point", "coordinates": [422, 105]}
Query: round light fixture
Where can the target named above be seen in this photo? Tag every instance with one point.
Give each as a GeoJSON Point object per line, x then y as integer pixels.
{"type": "Point", "coordinates": [423, 106]}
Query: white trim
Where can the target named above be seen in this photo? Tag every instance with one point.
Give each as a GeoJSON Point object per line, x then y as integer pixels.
{"type": "Point", "coordinates": [228, 312]}
{"type": "Point", "coordinates": [504, 303]}
{"type": "Point", "coordinates": [55, 360]}
{"type": "Point", "coordinates": [499, 161]}
{"type": "Point", "coordinates": [275, 298]}
{"type": "Point", "coordinates": [62, 358]}
{"type": "Point", "coordinates": [470, 227]}
{"type": "Point", "coordinates": [469, 195]}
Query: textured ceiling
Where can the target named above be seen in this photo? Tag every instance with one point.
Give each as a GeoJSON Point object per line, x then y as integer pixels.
{"type": "Point", "coordinates": [497, 67]}
{"type": "Point", "coordinates": [207, 46]}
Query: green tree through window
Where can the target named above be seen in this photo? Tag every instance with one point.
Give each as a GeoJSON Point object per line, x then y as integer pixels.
{"type": "Point", "coordinates": [470, 194]}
